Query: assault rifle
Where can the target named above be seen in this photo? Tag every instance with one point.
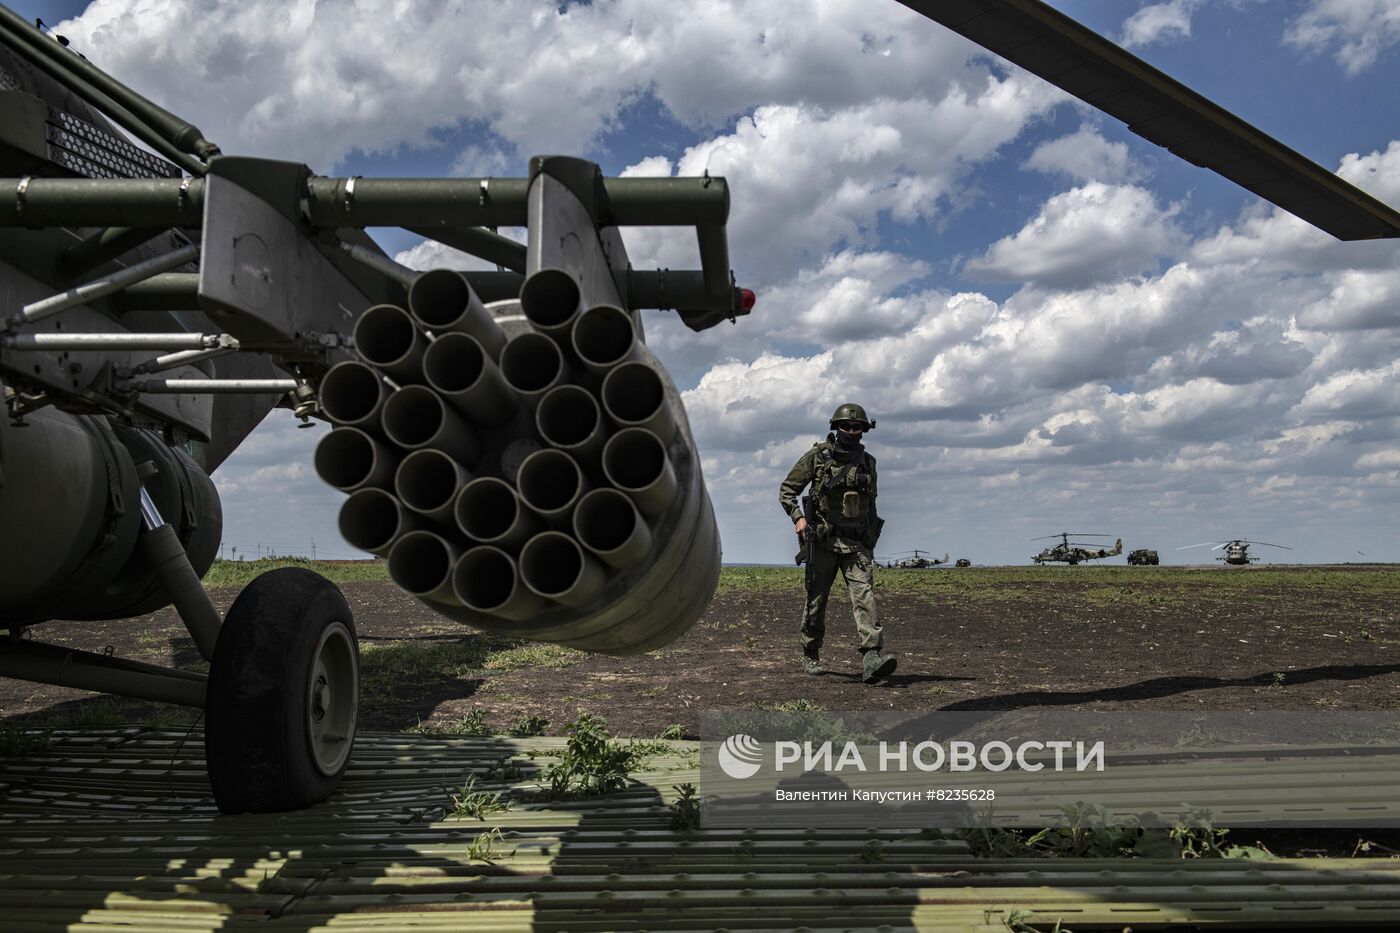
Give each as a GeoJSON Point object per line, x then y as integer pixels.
{"type": "Point", "coordinates": [809, 512]}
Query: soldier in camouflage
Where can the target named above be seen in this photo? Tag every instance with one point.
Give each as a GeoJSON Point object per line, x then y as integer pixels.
{"type": "Point", "coordinates": [837, 527]}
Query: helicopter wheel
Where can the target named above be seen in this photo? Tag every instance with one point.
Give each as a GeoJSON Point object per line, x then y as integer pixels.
{"type": "Point", "coordinates": [283, 694]}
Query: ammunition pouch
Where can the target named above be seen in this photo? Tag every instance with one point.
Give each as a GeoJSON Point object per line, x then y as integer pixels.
{"type": "Point", "coordinates": [872, 534]}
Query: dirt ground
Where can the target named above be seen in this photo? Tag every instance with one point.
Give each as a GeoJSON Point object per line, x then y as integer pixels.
{"type": "Point", "coordinates": [1054, 637]}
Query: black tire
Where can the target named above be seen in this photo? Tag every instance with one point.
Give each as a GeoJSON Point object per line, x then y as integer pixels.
{"type": "Point", "coordinates": [271, 745]}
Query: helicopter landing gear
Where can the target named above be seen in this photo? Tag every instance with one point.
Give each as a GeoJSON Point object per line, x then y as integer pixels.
{"type": "Point", "coordinates": [283, 694]}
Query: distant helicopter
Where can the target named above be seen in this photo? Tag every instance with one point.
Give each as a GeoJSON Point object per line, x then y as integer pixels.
{"type": "Point", "coordinates": [1236, 550]}
{"type": "Point", "coordinates": [917, 561]}
{"type": "Point", "coordinates": [1071, 553]}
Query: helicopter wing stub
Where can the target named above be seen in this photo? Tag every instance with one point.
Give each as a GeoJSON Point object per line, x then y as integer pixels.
{"type": "Point", "coordinates": [1164, 111]}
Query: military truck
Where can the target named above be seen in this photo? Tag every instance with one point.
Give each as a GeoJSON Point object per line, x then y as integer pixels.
{"type": "Point", "coordinates": [1142, 556]}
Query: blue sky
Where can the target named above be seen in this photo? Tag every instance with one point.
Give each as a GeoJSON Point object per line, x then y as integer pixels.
{"type": "Point", "coordinates": [1057, 324]}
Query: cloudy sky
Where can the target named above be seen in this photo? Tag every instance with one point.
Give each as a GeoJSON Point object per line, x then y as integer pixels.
{"type": "Point", "coordinates": [1058, 325]}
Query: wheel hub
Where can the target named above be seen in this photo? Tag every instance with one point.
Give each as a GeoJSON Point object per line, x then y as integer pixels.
{"type": "Point", "coordinates": [332, 696]}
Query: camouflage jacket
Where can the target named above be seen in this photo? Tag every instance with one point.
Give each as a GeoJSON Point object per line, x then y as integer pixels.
{"type": "Point", "coordinates": [830, 475]}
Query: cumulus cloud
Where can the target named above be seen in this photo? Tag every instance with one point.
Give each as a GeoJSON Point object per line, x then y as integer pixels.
{"type": "Point", "coordinates": [1085, 155]}
{"type": "Point", "coordinates": [1262, 348]}
{"type": "Point", "coordinates": [1355, 32]}
{"type": "Point", "coordinates": [809, 180]}
{"type": "Point", "coordinates": [735, 403]}
{"type": "Point", "coordinates": [1354, 394]}
{"type": "Point", "coordinates": [849, 297]}
{"type": "Point", "coordinates": [1359, 300]}
{"type": "Point", "coordinates": [1159, 22]}
{"type": "Point", "coordinates": [1380, 460]}
{"type": "Point", "coordinates": [319, 81]}
{"type": "Point", "coordinates": [1094, 233]}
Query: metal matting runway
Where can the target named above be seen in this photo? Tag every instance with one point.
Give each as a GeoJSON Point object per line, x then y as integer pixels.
{"type": "Point", "coordinates": [115, 830]}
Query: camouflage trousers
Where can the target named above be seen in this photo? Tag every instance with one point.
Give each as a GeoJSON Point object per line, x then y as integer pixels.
{"type": "Point", "coordinates": [857, 566]}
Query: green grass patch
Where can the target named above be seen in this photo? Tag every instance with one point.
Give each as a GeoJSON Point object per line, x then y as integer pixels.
{"type": "Point", "coordinates": [532, 654]}
{"type": "Point", "coordinates": [529, 725]}
{"type": "Point", "coordinates": [386, 669]}
{"type": "Point", "coordinates": [759, 578]}
{"type": "Point", "coordinates": [241, 572]}
{"type": "Point", "coordinates": [477, 804]}
{"type": "Point", "coordinates": [593, 763]}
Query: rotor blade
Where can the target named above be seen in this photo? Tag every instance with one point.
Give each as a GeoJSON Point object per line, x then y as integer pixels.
{"type": "Point", "coordinates": [1267, 544]}
{"type": "Point", "coordinates": [1164, 111]}
{"type": "Point", "coordinates": [1202, 544]}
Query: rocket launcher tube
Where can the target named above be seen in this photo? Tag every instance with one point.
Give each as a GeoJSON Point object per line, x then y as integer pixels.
{"type": "Point", "coordinates": [550, 299]}
{"type": "Point", "coordinates": [489, 510]}
{"type": "Point", "coordinates": [569, 418]}
{"type": "Point", "coordinates": [416, 417]}
{"type": "Point", "coordinates": [532, 364]}
{"type": "Point", "coordinates": [635, 397]}
{"type": "Point", "coordinates": [349, 459]}
{"type": "Point", "coordinates": [386, 338]}
{"type": "Point", "coordinates": [373, 520]}
{"type": "Point", "coordinates": [421, 562]}
{"type": "Point", "coordinates": [635, 461]}
{"type": "Point", "coordinates": [353, 395]}
{"type": "Point", "coordinates": [442, 300]}
{"type": "Point", "coordinates": [551, 484]}
{"type": "Point", "coordinates": [457, 367]}
{"type": "Point", "coordinates": [553, 565]}
{"type": "Point", "coordinates": [487, 580]}
{"type": "Point", "coordinates": [604, 336]}
{"type": "Point", "coordinates": [608, 524]}
{"type": "Point", "coordinates": [428, 482]}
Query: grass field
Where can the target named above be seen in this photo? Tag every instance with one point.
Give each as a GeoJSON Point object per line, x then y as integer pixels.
{"type": "Point", "coordinates": [974, 582]}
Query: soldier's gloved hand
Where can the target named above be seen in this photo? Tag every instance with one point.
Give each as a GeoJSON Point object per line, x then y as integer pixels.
{"type": "Point", "coordinates": [802, 530]}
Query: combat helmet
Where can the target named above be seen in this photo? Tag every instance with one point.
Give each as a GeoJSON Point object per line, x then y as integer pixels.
{"type": "Point", "coordinates": [850, 411]}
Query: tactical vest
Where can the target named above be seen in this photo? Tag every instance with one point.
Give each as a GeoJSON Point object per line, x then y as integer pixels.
{"type": "Point", "coordinates": [842, 492]}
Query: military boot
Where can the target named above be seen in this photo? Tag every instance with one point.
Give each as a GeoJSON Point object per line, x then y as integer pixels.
{"type": "Point", "coordinates": [876, 666]}
{"type": "Point", "coordinates": [811, 663]}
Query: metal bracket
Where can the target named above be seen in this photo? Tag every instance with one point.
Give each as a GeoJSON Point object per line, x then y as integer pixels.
{"type": "Point", "coordinates": [261, 278]}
